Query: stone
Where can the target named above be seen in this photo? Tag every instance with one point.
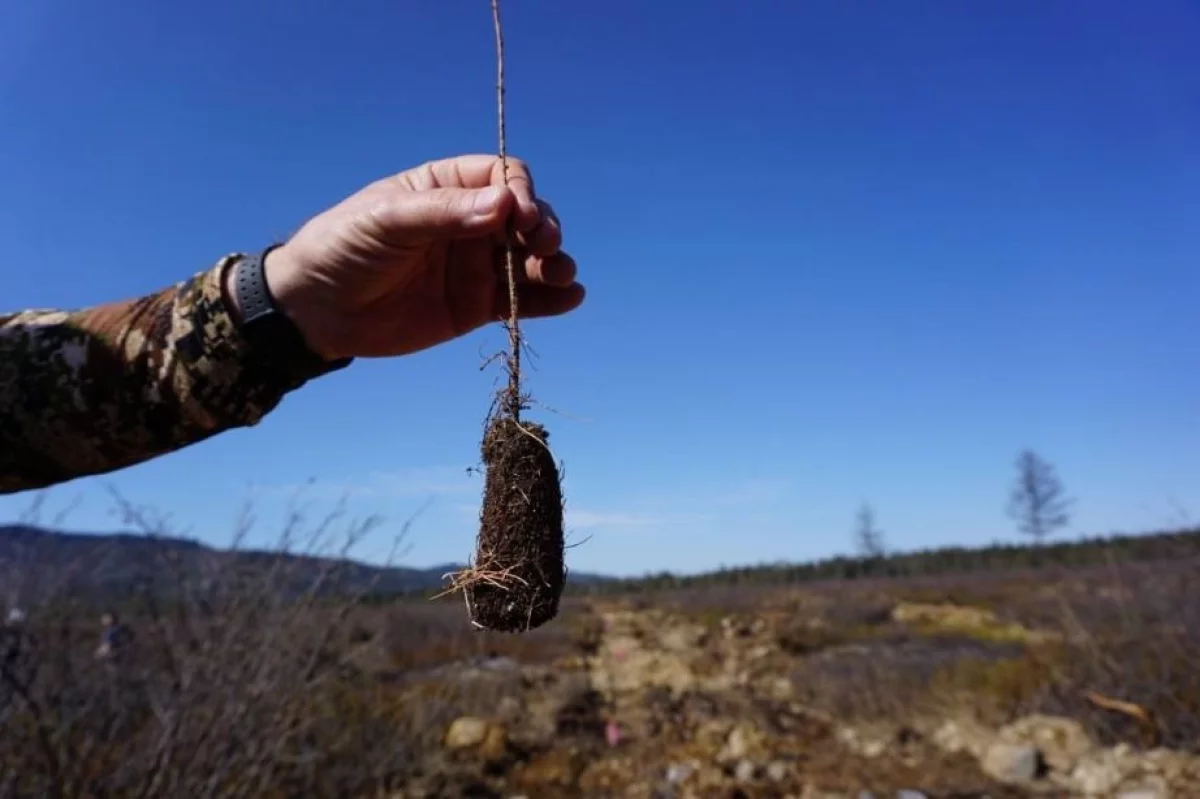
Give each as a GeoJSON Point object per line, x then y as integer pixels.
{"type": "Point", "coordinates": [954, 736]}
{"type": "Point", "coordinates": [466, 732]}
{"type": "Point", "coordinates": [494, 746]}
{"type": "Point", "coordinates": [782, 688]}
{"type": "Point", "coordinates": [777, 771]}
{"type": "Point", "coordinates": [1013, 764]}
{"type": "Point", "coordinates": [1061, 741]}
{"type": "Point", "coordinates": [679, 772]}
{"type": "Point", "coordinates": [868, 743]}
{"type": "Point", "coordinates": [1147, 789]}
{"type": "Point", "coordinates": [745, 771]}
{"type": "Point", "coordinates": [740, 743]}
{"type": "Point", "coordinates": [682, 638]}
{"type": "Point", "coordinates": [1098, 773]}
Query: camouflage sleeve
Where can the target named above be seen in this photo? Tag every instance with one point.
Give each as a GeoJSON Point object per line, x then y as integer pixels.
{"type": "Point", "coordinates": [91, 391]}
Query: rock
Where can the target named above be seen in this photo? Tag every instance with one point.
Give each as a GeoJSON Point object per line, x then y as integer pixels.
{"type": "Point", "coordinates": [737, 744]}
{"type": "Point", "coordinates": [745, 771]}
{"type": "Point", "coordinates": [466, 732]}
{"type": "Point", "coordinates": [1100, 772]}
{"type": "Point", "coordinates": [683, 637]}
{"type": "Point", "coordinates": [1177, 768]}
{"type": "Point", "coordinates": [781, 688]}
{"type": "Point", "coordinates": [1013, 764]}
{"type": "Point", "coordinates": [868, 743]}
{"type": "Point", "coordinates": [679, 772]}
{"type": "Point", "coordinates": [1155, 788]}
{"type": "Point", "coordinates": [1062, 742]}
{"type": "Point", "coordinates": [956, 736]}
{"type": "Point", "coordinates": [873, 748]}
{"type": "Point", "coordinates": [494, 746]}
{"type": "Point", "coordinates": [741, 742]}
{"type": "Point", "coordinates": [905, 793]}
{"type": "Point", "coordinates": [629, 667]}
{"type": "Point", "coordinates": [777, 771]}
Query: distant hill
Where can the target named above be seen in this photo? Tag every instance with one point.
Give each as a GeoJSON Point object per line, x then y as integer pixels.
{"type": "Point", "coordinates": [37, 562]}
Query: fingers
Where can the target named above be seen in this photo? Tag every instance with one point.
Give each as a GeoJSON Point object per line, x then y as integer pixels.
{"type": "Point", "coordinates": [466, 172]}
{"type": "Point", "coordinates": [443, 212]}
{"type": "Point", "coordinates": [535, 300]}
{"type": "Point", "coordinates": [520, 183]}
{"type": "Point", "coordinates": [477, 172]}
{"type": "Point", "coordinates": [440, 188]}
{"type": "Point", "coordinates": [559, 270]}
{"type": "Point", "coordinates": [545, 238]}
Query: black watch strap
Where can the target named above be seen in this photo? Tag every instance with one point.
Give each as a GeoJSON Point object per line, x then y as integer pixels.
{"type": "Point", "coordinates": [280, 349]}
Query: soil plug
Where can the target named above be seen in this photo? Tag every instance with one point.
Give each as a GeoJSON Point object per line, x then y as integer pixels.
{"type": "Point", "coordinates": [517, 577]}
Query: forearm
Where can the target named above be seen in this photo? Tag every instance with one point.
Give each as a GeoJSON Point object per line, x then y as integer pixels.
{"type": "Point", "coordinates": [90, 391]}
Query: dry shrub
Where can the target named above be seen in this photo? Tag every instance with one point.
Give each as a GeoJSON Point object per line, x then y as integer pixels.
{"type": "Point", "coordinates": [1135, 637]}
{"type": "Point", "coordinates": [1129, 634]}
{"type": "Point", "coordinates": [995, 690]}
{"type": "Point", "coordinates": [236, 684]}
{"type": "Point", "coordinates": [419, 634]}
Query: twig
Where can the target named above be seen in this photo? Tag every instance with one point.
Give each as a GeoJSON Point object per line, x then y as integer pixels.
{"type": "Point", "coordinates": [513, 395]}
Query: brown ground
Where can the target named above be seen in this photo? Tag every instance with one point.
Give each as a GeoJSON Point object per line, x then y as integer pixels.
{"type": "Point", "coordinates": [822, 690]}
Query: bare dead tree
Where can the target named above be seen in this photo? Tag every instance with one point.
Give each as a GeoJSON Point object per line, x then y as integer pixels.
{"type": "Point", "coordinates": [1038, 501]}
{"type": "Point", "coordinates": [868, 538]}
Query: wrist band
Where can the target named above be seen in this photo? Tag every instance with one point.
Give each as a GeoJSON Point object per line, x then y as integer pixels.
{"type": "Point", "coordinates": [279, 345]}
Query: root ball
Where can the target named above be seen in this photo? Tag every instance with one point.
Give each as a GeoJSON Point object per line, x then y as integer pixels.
{"type": "Point", "coordinates": [519, 568]}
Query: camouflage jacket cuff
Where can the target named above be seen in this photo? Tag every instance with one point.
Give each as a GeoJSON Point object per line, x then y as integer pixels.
{"type": "Point", "coordinates": [90, 391]}
{"type": "Point", "coordinates": [222, 374]}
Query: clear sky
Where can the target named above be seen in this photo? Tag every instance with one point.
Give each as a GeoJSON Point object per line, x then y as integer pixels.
{"type": "Point", "coordinates": [835, 252]}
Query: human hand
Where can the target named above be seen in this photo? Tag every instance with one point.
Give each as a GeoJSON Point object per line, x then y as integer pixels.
{"type": "Point", "coordinates": [417, 259]}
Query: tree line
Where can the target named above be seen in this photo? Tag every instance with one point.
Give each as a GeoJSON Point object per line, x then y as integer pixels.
{"type": "Point", "coordinates": [1037, 504]}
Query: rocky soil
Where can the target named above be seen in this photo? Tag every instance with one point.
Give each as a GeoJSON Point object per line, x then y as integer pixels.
{"type": "Point", "coordinates": [663, 703]}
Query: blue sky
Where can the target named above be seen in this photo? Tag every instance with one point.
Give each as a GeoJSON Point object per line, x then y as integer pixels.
{"type": "Point", "coordinates": [835, 252]}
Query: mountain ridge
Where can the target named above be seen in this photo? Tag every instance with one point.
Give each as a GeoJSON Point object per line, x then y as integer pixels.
{"type": "Point", "coordinates": [37, 561]}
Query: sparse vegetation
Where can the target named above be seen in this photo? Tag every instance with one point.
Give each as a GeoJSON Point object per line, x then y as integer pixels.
{"type": "Point", "coordinates": [237, 688]}
{"type": "Point", "coordinates": [286, 674]}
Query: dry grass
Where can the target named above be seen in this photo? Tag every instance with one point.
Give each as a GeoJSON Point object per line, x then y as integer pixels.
{"type": "Point", "coordinates": [236, 688]}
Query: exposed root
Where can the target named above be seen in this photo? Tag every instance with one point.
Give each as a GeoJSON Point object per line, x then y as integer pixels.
{"type": "Point", "coordinates": [465, 578]}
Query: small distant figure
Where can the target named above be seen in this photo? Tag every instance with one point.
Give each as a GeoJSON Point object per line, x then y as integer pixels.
{"type": "Point", "coordinates": [115, 637]}
{"type": "Point", "coordinates": [15, 643]}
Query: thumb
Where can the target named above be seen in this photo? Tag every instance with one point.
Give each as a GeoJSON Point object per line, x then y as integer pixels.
{"type": "Point", "coordinates": [448, 212]}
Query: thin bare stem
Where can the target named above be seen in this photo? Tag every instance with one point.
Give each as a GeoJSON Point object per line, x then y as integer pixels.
{"type": "Point", "coordinates": [513, 395]}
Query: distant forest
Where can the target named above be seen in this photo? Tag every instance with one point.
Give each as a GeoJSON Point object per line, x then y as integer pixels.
{"type": "Point", "coordinates": [1176, 545]}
